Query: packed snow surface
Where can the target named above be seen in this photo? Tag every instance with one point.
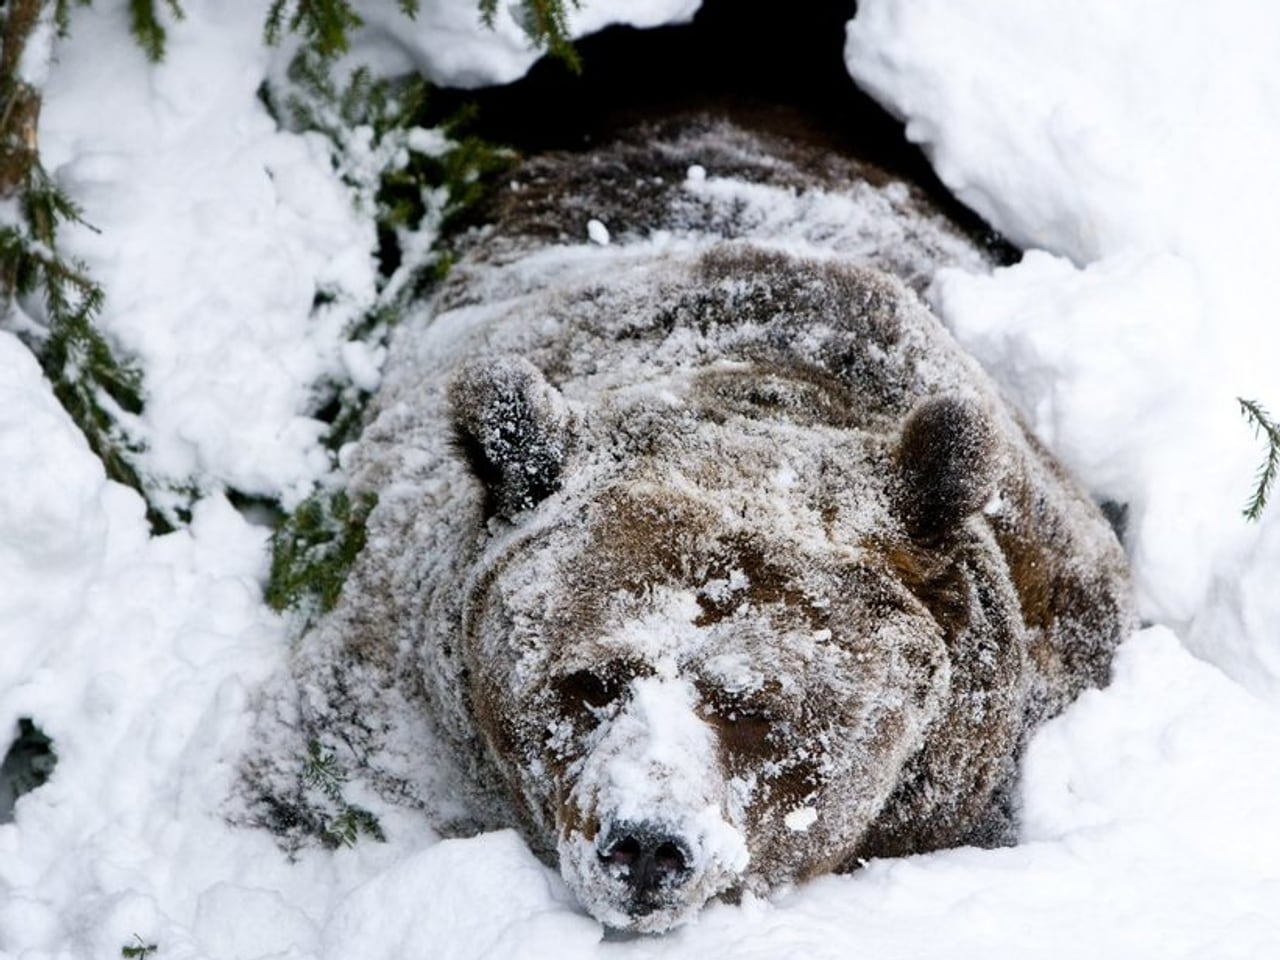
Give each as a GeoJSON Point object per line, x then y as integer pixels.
{"type": "Point", "coordinates": [1131, 146]}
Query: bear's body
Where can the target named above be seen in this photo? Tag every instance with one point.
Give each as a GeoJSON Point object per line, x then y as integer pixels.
{"type": "Point", "coordinates": [717, 562]}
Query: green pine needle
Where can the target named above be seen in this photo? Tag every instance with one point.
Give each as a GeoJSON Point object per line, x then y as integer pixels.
{"type": "Point", "coordinates": [545, 22]}
{"type": "Point", "coordinates": [147, 29]}
{"type": "Point", "coordinates": [324, 24]}
{"type": "Point", "coordinates": [312, 551]}
{"type": "Point", "coordinates": [322, 771]}
{"type": "Point", "coordinates": [138, 950]}
{"type": "Point", "coordinates": [1265, 427]}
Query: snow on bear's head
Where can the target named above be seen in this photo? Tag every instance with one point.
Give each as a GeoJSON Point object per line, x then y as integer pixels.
{"type": "Point", "coordinates": [692, 642]}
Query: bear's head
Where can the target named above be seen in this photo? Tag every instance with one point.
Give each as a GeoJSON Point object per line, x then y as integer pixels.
{"type": "Point", "coordinates": [695, 641]}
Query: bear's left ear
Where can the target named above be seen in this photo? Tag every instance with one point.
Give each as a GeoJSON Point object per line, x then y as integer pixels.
{"type": "Point", "coordinates": [946, 465]}
{"type": "Point", "coordinates": [513, 429]}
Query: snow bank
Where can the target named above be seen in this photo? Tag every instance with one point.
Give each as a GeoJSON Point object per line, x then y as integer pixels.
{"type": "Point", "coordinates": [486, 897]}
{"type": "Point", "coordinates": [1134, 144]}
{"type": "Point", "coordinates": [136, 656]}
{"type": "Point", "coordinates": [448, 42]}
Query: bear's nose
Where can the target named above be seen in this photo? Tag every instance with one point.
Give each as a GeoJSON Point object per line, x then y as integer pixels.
{"type": "Point", "coordinates": [649, 858]}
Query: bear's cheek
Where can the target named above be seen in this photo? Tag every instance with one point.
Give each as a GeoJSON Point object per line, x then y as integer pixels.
{"type": "Point", "coordinates": [812, 784]}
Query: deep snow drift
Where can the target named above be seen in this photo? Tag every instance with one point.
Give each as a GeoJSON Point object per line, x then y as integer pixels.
{"type": "Point", "coordinates": [1132, 144]}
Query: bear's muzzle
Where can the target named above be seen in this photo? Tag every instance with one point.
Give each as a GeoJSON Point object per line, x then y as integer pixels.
{"type": "Point", "coordinates": [651, 860]}
{"type": "Point", "coordinates": [661, 838]}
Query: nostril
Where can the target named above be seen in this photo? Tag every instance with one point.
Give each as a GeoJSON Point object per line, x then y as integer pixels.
{"type": "Point", "coordinates": [645, 858]}
{"type": "Point", "coordinates": [668, 858]}
{"type": "Point", "coordinates": [624, 853]}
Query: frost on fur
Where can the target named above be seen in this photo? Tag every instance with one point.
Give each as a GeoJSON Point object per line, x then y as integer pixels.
{"type": "Point", "coordinates": [712, 565]}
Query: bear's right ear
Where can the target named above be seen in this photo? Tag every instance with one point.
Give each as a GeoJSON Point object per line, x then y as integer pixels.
{"type": "Point", "coordinates": [946, 465]}
{"type": "Point", "coordinates": [513, 429]}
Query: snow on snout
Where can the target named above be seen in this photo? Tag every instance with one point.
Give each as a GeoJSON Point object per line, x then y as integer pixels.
{"type": "Point", "coordinates": [655, 764]}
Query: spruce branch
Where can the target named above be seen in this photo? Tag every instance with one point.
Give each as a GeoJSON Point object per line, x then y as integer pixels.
{"type": "Point", "coordinates": [323, 24]}
{"type": "Point", "coordinates": [139, 949]}
{"type": "Point", "coordinates": [147, 29]}
{"type": "Point", "coordinates": [545, 22]}
{"type": "Point", "coordinates": [48, 299]}
{"type": "Point", "coordinates": [322, 771]}
{"type": "Point", "coordinates": [312, 551]}
{"type": "Point", "coordinates": [1263, 427]}
{"type": "Point", "coordinates": [62, 14]}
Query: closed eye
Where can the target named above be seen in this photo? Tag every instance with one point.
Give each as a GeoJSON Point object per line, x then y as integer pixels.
{"type": "Point", "coordinates": [600, 686]}
{"type": "Point", "coordinates": [743, 734]}
{"type": "Point", "coordinates": [584, 688]}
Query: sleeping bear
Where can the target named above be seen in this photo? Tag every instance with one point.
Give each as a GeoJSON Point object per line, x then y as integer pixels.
{"type": "Point", "coordinates": [701, 551]}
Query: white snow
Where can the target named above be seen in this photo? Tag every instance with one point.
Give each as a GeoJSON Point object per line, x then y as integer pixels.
{"type": "Point", "coordinates": [597, 233]}
{"type": "Point", "coordinates": [1132, 146]}
{"type": "Point", "coordinates": [214, 231]}
{"type": "Point", "coordinates": [447, 41]}
{"type": "Point", "coordinates": [801, 819]}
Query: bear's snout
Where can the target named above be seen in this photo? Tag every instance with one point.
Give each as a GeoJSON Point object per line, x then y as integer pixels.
{"type": "Point", "coordinates": [661, 840]}
{"type": "Point", "coordinates": [648, 858]}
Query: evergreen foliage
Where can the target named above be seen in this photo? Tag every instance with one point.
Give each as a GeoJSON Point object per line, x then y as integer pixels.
{"type": "Point", "coordinates": [138, 950]}
{"type": "Point", "coordinates": [1264, 427]}
{"type": "Point", "coordinates": [346, 823]}
{"type": "Point", "coordinates": [414, 181]}
{"type": "Point", "coordinates": [312, 550]}
{"type": "Point", "coordinates": [547, 24]}
{"type": "Point", "coordinates": [147, 28]}
{"type": "Point", "coordinates": [47, 299]}
{"type": "Point", "coordinates": [62, 14]}
{"type": "Point", "coordinates": [323, 24]}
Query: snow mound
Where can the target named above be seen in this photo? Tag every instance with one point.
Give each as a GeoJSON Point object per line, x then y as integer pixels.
{"type": "Point", "coordinates": [1137, 146]}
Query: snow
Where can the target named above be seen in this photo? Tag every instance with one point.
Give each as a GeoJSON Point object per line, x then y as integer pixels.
{"type": "Point", "coordinates": [1130, 149]}
{"type": "Point", "coordinates": [1130, 146]}
{"type": "Point", "coordinates": [448, 43]}
{"type": "Point", "coordinates": [230, 228]}
{"type": "Point", "coordinates": [801, 819]}
{"type": "Point", "coordinates": [597, 233]}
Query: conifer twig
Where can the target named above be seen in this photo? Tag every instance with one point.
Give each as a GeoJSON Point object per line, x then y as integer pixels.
{"type": "Point", "coordinates": [545, 22]}
{"type": "Point", "coordinates": [1265, 427]}
{"type": "Point", "coordinates": [147, 28]}
{"type": "Point", "coordinates": [46, 297]}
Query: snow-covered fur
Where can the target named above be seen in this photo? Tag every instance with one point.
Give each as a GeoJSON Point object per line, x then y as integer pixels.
{"type": "Point", "coordinates": [712, 559]}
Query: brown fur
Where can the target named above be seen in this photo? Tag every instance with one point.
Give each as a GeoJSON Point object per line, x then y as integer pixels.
{"type": "Point", "coordinates": [757, 503]}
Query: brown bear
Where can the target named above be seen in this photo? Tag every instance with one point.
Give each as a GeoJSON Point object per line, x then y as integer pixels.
{"type": "Point", "coordinates": [714, 560]}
